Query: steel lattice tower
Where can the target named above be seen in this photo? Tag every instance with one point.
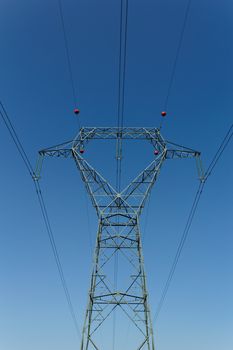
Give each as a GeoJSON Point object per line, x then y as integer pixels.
{"type": "Point", "coordinates": [118, 231]}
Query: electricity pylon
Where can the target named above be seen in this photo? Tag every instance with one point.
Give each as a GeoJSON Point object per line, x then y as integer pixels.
{"type": "Point", "coordinates": [118, 235]}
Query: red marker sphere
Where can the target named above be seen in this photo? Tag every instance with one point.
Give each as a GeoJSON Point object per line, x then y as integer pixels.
{"type": "Point", "coordinates": [156, 152]}
{"type": "Point", "coordinates": [163, 114]}
{"type": "Point", "coordinates": [81, 150]}
{"type": "Point", "coordinates": [76, 111]}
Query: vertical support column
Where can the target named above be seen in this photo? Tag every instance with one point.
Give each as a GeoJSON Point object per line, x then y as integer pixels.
{"type": "Point", "coordinates": [148, 322]}
{"type": "Point", "coordinates": [122, 238]}
{"type": "Point", "coordinates": [86, 334]}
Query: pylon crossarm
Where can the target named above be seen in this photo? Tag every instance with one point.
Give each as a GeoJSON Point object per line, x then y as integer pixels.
{"type": "Point", "coordinates": [61, 150]}
{"type": "Point", "coordinates": [180, 151]}
{"type": "Point", "coordinates": [184, 152]}
{"type": "Point", "coordinates": [176, 153]}
{"type": "Point", "coordinates": [111, 133]}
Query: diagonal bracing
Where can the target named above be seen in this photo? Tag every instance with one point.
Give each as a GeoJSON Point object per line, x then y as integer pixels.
{"type": "Point", "coordinates": [119, 232]}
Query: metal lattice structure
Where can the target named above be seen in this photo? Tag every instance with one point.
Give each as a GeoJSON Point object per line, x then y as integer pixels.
{"type": "Point", "coordinates": [118, 233]}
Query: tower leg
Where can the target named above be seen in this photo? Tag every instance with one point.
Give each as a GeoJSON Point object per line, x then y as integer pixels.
{"type": "Point", "coordinates": [118, 237]}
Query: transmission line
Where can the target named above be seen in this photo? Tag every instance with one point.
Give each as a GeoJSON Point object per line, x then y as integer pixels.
{"type": "Point", "coordinates": [191, 215]}
{"type": "Point", "coordinates": [121, 84]}
{"type": "Point", "coordinates": [219, 152]}
{"type": "Point", "coordinates": [23, 155]}
{"type": "Point", "coordinates": [68, 58]}
{"type": "Point", "coordinates": [177, 54]}
{"type": "Point", "coordinates": [74, 94]}
{"type": "Point", "coordinates": [67, 51]}
{"type": "Point", "coordinates": [124, 62]}
{"type": "Point", "coordinates": [174, 65]}
{"type": "Point", "coordinates": [15, 139]}
{"type": "Point", "coordinates": [123, 34]}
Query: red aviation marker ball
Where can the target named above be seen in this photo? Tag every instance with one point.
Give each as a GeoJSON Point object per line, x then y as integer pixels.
{"type": "Point", "coordinates": [76, 111]}
{"type": "Point", "coordinates": [163, 114]}
{"type": "Point", "coordinates": [156, 152]}
{"type": "Point", "coordinates": [81, 150]}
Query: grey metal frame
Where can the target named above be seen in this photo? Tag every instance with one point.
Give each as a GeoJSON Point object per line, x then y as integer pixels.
{"type": "Point", "coordinates": [118, 230]}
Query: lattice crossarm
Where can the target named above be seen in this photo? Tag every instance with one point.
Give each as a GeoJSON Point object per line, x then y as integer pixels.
{"type": "Point", "coordinates": [184, 152]}
{"type": "Point", "coordinates": [175, 150]}
{"type": "Point", "coordinates": [126, 133]}
{"type": "Point", "coordinates": [177, 153]}
{"type": "Point", "coordinates": [61, 150]}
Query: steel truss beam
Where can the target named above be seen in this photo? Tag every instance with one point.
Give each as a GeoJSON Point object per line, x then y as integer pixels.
{"type": "Point", "coordinates": [118, 231]}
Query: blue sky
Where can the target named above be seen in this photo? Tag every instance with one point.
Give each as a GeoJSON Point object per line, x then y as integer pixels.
{"type": "Point", "coordinates": [36, 91]}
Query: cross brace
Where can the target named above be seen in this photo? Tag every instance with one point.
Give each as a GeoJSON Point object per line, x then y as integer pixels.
{"type": "Point", "coordinates": [118, 236]}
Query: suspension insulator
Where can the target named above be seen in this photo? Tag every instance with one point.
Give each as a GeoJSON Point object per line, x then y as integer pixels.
{"type": "Point", "coordinates": [163, 114]}
{"type": "Point", "coordinates": [76, 111]}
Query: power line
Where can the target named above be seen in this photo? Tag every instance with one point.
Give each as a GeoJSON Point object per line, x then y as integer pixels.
{"type": "Point", "coordinates": [124, 62]}
{"type": "Point", "coordinates": [68, 57]}
{"type": "Point", "coordinates": [75, 97]}
{"type": "Point", "coordinates": [43, 208]}
{"type": "Point", "coordinates": [119, 65]}
{"type": "Point", "coordinates": [15, 139]}
{"type": "Point", "coordinates": [193, 210]}
{"type": "Point", "coordinates": [219, 152]}
{"type": "Point", "coordinates": [118, 155]}
{"type": "Point", "coordinates": [174, 65]}
{"type": "Point", "coordinates": [74, 93]}
{"type": "Point", "coordinates": [123, 34]}
{"type": "Point", "coordinates": [177, 54]}
{"type": "Point", "coordinates": [121, 84]}
{"type": "Point", "coordinates": [67, 52]}
{"type": "Point", "coordinates": [56, 255]}
{"type": "Point", "coordinates": [179, 250]}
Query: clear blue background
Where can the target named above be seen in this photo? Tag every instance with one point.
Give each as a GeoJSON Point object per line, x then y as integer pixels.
{"type": "Point", "coordinates": [35, 88]}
